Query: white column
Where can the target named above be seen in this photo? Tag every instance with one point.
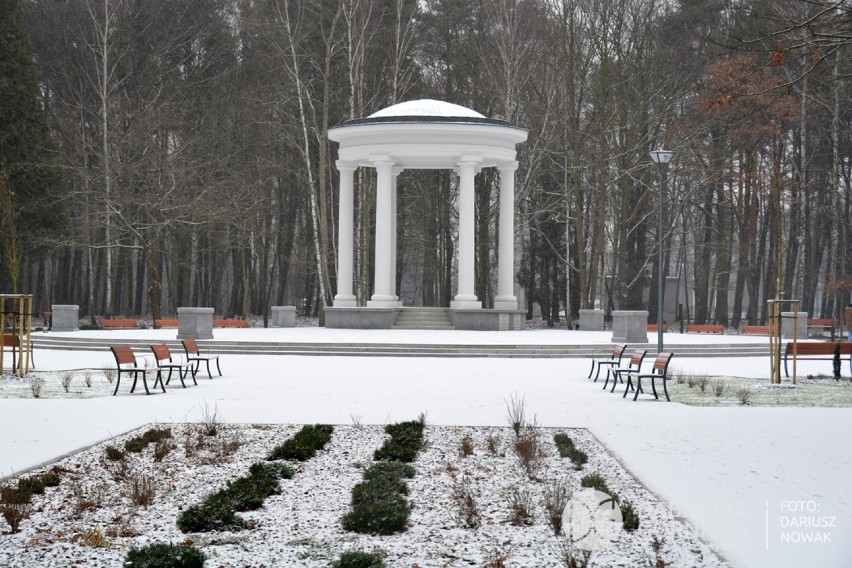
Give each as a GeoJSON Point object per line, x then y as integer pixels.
{"type": "Point", "coordinates": [394, 233]}
{"type": "Point", "coordinates": [382, 296]}
{"type": "Point", "coordinates": [506, 299]}
{"type": "Point", "coordinates": [465, 295]}
{"type": "Point", "coordinates": [345, 246]}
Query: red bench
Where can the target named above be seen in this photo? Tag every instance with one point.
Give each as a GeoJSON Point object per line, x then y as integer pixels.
{"type": "Point", "coordinates": [653, 327]}
{"type": "Point", "coordinates": [166, 323]}
{"type": "Point", "coordinates": [817, 351]}
{"type": "Point", "coordinates": [194, 357]}
{"type": "Point", "coordinates": [755, 330]}
{"type": "Point", "coordinates": [658, 371]}
{"type": "Point", "coordinates": [128, 363]}
{"type": "Point", "coordinates": [704, 328]}
{"type": "Point", "coordinates": [826, 324]}
{"type": "Point", "coordinates": [613, 361]}
{"type": "Point", "coordinates": [230, 323]}
{"type": "Point", "coordinates": [164, 359]}
{"type": "Point", "coordinates": [118, 323]}
{"type": "Point", "coordinates": [634, 366]}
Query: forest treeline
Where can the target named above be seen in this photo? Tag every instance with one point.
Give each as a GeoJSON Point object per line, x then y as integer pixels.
{"type": "Point", "coordinates": [166, 154]}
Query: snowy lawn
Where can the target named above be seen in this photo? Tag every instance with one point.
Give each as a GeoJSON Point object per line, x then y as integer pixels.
{"type": "Point", "coordinates": [745, 477]}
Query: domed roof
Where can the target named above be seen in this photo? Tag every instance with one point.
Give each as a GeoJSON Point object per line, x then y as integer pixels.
{"type": "Point", "coordinates": [427, 108]}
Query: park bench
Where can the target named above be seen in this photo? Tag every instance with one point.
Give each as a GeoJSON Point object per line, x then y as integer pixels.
{"type": "Point", "coordinates": [755, 330]}
{"type": "Point", "coordinates": [824, 324]}
{"type": "Point", "coordinates": [118, 323]}
{"type": "Point", "coordinates": [166, 322]}
{"type": "Point", "coordinates": [12, 343]}
{"type": "Point", "coordinates": [128, 363]}
{"type": "Point", "coordinates": [704, 328]}
{"type": "Point", "coordinates": [659, 370]}
{"type": "Point", "coordinates": [230, 323]}
{"type": "Point", "coordinates": [653, 327]}
{"type": "Point", "coordinates": [165, 361]}
{"type": "Point", "coordinates": [190, 346]}
{"type": "Point", "coordinates": [613, 361]}
{"type": "Point", "coordinates": [816, 351]}
{"type": "Point", "coordinates": [634, 366]}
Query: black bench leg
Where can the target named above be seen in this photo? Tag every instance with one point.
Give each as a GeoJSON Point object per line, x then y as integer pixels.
{"type": "Point", "coordinates": [186, 372]}
{"type": "Point", "coordinates": [616, 376]}
{"type": "Point", "coordinates": [628, 386]}
{"type": "Point", "coordinates": [786, 372]}
{"type": "Point", "coordinates": [220, 370]}
{"type": "Point", "coordinates": [592, 370]}
{"type": "Point", "coordinates": [145, 382]}
{"type": "Point", "coordinates": [654, 388]}
{"type": "Point", "coordinates": [665, 389]}
{"type": "Point", "coordinates": [117, 382]}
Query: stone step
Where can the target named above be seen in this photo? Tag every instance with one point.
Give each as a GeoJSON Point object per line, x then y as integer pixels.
{"type": "Point", "coordinates": [423, 318]}
{"type": "Point", "coordinates": [400, 349]}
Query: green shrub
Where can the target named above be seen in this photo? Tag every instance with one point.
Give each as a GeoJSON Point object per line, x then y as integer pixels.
{"type": "Point", "coordinates": [566, 448]}
{"type": "Point", "coordinates": [165, 556]}
{"type": "Point", "coordinates": [358, 559]}
{"type": "Point", "coordinates": [304, 444]}
{"type": "Point", "coordinates": [113, 453]}
{"type": "Point", "coordinates": [50, 479]}
{"type": "Point", "coordinates": [156, 434]}
{"type": "Point", "coordinates": [378, 511]}
{"type": "Point", "coordinates": [564, 444]}
{"type": "Point", "coordinates": [136, 445]}
{"type": "Point", "coordinates": [629, 517]}
{"type": "Point", "coordinates": [273, 470]}
{"type": "Point", "coordinates": [216, 513]}
{"type": "Point", "coordinates": [595, 481]}
{"type": "Point", "coordinates": [248, 493]}
{"type": "Point", "coordinates": [406, 439]}
{"type": "Point", "coordinates": [32, 485]}
{"type": "Point", "coordinates": [390, 474]}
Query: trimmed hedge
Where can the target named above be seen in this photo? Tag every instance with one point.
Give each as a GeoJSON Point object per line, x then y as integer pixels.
{"type": "Point", "coordinates": [358, 559]}
{"type": "Point", "coordinates": [304, 444]}
{"type": "Point", "coordinates": [379, 505]}
{"type": "Point", "coordinates": [165, 556]}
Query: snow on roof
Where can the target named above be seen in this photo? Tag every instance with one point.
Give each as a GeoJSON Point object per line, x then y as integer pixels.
{"type": "Point", "coordinates": [427, 107]}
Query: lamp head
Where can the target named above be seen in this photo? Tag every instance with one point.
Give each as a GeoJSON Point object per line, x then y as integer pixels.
{"type": "Point", "coordinates": [661, 156]}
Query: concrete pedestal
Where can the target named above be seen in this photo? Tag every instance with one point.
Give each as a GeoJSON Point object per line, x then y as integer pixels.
{"type": "Point", "coordinates": [787, 324]}
{"type": "Point", "coordinates": [66, 317]}
{"type": "Point", "coordinates": [591, 320]}
{"type": "Point", "coordinates": [629, 326]}
{"type": "Point", "coordinates": [283, 316]}
{"type": "Point", "coordinates": [195, 323]}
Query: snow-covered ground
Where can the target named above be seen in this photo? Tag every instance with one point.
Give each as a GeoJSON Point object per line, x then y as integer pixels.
{"type": "Point", "coordinates": [747, 478]}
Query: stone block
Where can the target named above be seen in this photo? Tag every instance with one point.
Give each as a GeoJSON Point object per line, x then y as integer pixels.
{"type": "Point", "coordinates": [195, 323]}
{"type": "Point", "coordinates": [591, 320]}
{"type": "Point", "coordinates": [630, 326]}
{"type": "Point", "coordinates": [66, 317]}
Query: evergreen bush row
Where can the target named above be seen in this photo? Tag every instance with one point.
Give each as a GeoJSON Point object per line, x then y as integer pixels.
{"type": "Point", "coordinates": [138, 443]}
{"type": "Point", "coordinates": [566, 448]}
{"type": "Point", "coordinates": [218, 512]}
{"type": "Point", "coordinates": [165, 556]}
{"type": "Point", "coordinates": [629, 517]}
{"type": "Point", "coordinates": [304, 444]}
{"type": "Point", "coordinates": [358, 559]}
{"type": "Point", "coordinates": [379, 505]}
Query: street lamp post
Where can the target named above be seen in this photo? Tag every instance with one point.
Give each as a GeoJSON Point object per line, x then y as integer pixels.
{"type": "Point", "coordinates": [662, 159]}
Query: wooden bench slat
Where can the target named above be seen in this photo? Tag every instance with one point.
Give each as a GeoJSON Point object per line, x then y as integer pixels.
{"type": "Point", "coordinates": [230, 323]}
{"type": "Point", "coordinates": [704, 328]}
{"type": "Point", "coordinates": [816, 351]}
{"type": "Point", "coordinates": [115, 323]}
